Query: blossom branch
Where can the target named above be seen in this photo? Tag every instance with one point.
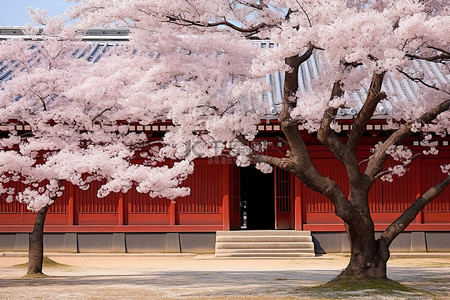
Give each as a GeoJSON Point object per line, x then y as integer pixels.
{"type": "Point", "coordinates": [377, 159]}
{"type": "Point", "coordinates": [403, 165]}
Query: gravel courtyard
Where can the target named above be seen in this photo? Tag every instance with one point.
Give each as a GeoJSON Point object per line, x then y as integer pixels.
{"type": "Point", "coordinates": [188, 277]}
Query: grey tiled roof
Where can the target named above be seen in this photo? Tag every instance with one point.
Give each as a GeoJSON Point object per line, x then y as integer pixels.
{"type": "Point", "coordinates": [396, 89]}
{"type": "Point", "coordinates": [98, 41]}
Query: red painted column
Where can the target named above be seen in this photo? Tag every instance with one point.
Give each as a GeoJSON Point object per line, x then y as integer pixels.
{"type": "Point", "coordinates": [418, 187]}
{"type": "Point", "coordinates": [71, 206]}
{"type": "Point", "coordinates": [226, 197]}
{"type": "Point", "coordinates": [173, 212]}
{"type": "Point", "coordinates": [128, 210]}
{"type": "Point", "coordinates": [21, 214]}
{"type": "Point", "coordinates": [298, 204]}
{"type": "Point", "coordinates": [292, 200]}
{"type": "Point", "coordinates": [275, 180]}
{"type": "Point", "coordinates": [120, 210]}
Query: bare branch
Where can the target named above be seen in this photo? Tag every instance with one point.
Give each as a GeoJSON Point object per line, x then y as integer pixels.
{"type": "Point", "coordinates": [328, 137]}
{"type": "Point", "coordinates": [300, 163]}
{"type": "Point", "coordinates": [259, 6]}
{"type": "Point", "coordinates": [364, 160]}
{"type": "Point", "coordinates": [42, 100]}
{"type": "Point", "coordinates": [411, 212]}
{"type": "Point", "coordinates": [101, 113]}
{"type": "Point", "coordinates": [306, 14]}
{"type": "Point", "coordinates": [440, 58]}
{"type": "Point", "coordinates": [420, 80]}
{"type": "Point", "coordinates": [439, 49]}
{"type": "Point", "coordinates": [179, 20]}
{"type": "Point", "coordinates": [146, 144]}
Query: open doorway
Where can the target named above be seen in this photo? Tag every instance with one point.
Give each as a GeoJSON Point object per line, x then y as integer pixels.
{"type": "Point", "coordinates": [257, 199]}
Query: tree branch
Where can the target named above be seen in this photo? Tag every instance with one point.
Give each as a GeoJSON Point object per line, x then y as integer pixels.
{"type": "Point", "coordinates": [365, 114]}
{"type": "Point", "coordinates": [42, 100]}
{"type": "Point", "coordinates": [299, 162]}
{"type": "Point", "coordinates": [376, 161]}
{"type": "Point", "coordinates": [306, 14]}
{"type": "Point", "coordinates": [259, 6]}
{"type": "Point", "coordinates": [146, 144]}
{"type": "Point", "coordinates": [420, 80]}
{"type": "Point", "coordinates": [439, 49]}
{"type": "Point", "coordinates": [178, 20]}
{"type": "Point", "coordinates": [404, 165]}
{"type": "Point", "coordinates": [291, 83]}
{"type": "Point", "coordinates": [411, 212]}
{"type": "Point", "coordinates": [440, 58]}
{"type": "Point", "coordinates": [101, 113]}
{"type": "Point", "coordinates": [326, 135]}
{"type": "Point", "coordinates": [282, 163]}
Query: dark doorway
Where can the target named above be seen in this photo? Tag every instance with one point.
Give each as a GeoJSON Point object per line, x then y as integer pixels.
{"type": "Point", "coordinates": [257, 199]}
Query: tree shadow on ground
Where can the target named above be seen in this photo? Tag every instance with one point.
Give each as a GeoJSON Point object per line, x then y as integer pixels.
{"type": "Point", "coordinates": [266, 284]}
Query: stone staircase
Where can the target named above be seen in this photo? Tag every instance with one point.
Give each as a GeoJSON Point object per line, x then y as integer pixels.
{"type": "Point", "coordinates": [264, 243]}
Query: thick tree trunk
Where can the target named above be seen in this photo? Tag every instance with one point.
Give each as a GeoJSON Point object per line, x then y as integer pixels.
{"type": "Point", "coordinates": [368, 256]}
{"type": "Point", "coordinates": [36, 249]}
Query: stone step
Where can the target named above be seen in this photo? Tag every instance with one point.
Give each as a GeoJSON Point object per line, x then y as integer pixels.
{"type": "Point", "coordinates": [267, 250]}
{"type": "Point", "coordinates": [262, 245]}
{"type": "Point", "coordinates": [264, 238]}
{"type": "Point", "coordinates": [264, 255]}
{"type": "Point", "coordinates": [263, 233]}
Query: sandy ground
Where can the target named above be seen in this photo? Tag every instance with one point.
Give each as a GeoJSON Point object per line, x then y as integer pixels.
{"type": "Point", "coordinates": [162, 277]}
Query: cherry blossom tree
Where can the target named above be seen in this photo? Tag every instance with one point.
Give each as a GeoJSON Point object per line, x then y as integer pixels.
{"type": "Point", "coordinates": [194, 62]}
{"type": "Point", "coordinates": [50, 146]}
{"type": "Point", "coordinates": [52, 138]}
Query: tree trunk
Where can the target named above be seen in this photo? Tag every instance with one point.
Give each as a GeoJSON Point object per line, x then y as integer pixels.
{"type": "Point", "coordinates": [36, 249]}
{"type": "Point", "coordinates": [368, 257]}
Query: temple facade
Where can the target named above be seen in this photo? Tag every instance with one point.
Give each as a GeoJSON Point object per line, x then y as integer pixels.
{"type": "Point", "coordinates": [225, 197]}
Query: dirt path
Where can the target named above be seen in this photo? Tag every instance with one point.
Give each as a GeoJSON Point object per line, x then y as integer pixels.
{"type": "Point", "coordinates": [141, 277]}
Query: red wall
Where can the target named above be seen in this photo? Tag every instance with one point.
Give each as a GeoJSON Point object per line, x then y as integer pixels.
{"type": "Point", "coordinates": [387, 200]}
{"type": "Point", "coordinates": [82, 210]}
{"type": "Point", "coordinates": [215, 190]}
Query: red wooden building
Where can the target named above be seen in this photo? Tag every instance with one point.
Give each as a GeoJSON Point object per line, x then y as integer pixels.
{"type": "Point", "coordinates": [221, 194]}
